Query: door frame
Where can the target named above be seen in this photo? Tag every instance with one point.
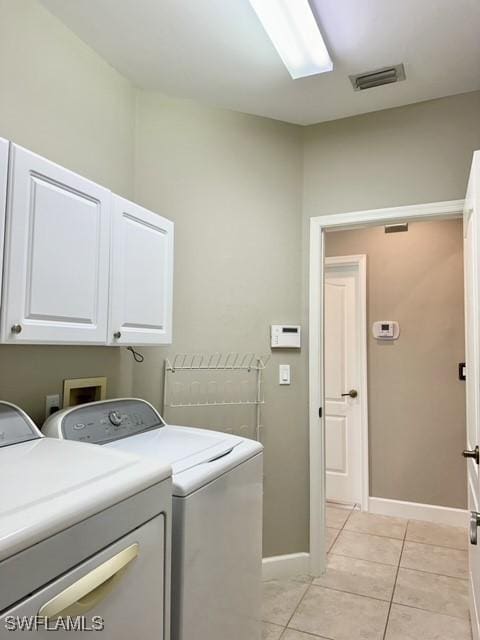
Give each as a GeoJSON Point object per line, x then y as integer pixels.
{"type": "Point", "coordinates": [359, 263]}
{"type": "Point", "coordinates": [319, 225]}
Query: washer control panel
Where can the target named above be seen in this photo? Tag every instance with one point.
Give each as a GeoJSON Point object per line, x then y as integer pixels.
{"type": "Point", "coordinates": [102, 422]}
{"type": "Point", "coordinates": [115, 418]}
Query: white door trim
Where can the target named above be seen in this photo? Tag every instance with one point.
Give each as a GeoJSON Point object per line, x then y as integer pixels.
{"type": "Point", "coordinates": [359, 262]}
{"type": "Point", "coordinates": [318, 226]}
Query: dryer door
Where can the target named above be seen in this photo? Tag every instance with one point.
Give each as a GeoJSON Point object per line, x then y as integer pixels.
{"type": "Point", "coordinates": [119, 593]}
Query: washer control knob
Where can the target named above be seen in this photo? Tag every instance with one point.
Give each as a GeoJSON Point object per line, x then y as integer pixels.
{"type": "Point", "coordinates": [115, 418]}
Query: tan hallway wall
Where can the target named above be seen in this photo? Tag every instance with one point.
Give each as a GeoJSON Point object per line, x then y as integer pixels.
{"type": "Point", "coordinates": [416, 401]}
{"type": "Point", "coordinates": [61, 100]}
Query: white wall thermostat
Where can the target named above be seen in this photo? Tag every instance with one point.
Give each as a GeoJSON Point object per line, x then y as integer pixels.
{"type": "Point", "coordinates": [386, 330]}
{"type": "Point", "coordinates": [285, 336]}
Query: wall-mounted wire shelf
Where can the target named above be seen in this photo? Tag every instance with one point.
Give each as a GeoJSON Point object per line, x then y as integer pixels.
{"type": "Point", "coordinates": [215, 361]}
{"type": "Point", "coordinates": [213, 380]}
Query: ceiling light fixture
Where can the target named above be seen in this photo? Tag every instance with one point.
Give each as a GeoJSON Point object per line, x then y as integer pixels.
{"type": "Point", "coordinates": [291, 26]}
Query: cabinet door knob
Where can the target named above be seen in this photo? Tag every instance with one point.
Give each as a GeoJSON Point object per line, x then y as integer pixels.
{"type": "Point", "coordinates": [117, 335]}
{"type": "Point", "coordinates": [16, 328]}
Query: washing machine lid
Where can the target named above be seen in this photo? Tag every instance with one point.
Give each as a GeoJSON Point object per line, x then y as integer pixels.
{"type": "Point", "coordinates": [181, 447]}
{"type": "Point", "coordinates": [197, 456]}
{"type": "Point", "coordinates": [49, 485]}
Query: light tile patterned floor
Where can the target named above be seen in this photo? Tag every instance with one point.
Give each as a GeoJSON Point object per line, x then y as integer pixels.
{"type": "Point", "coordinates": [386, 579]}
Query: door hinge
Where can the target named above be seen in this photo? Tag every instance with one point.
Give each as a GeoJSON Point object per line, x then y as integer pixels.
{"type": "Point", "coordinates": [320, 412]}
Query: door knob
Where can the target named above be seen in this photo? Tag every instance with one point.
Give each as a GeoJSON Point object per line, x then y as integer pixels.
{"type": "Point", "coordinates": [16, 328]}
{"type": "Point", "coordinates": [474, 524]}
{"type": "Point", "coordinates": [353, 393]}
{"type": "Point", "coordinates": [475, 454]}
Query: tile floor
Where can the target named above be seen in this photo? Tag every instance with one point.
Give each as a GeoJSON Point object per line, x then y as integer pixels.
{"type": "Point", "coordinates": [386, 579]}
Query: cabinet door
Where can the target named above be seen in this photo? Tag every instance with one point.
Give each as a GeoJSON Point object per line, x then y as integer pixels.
{"type": "Point", "coordinates": [141, 276]}
{"type": "Point", "coordinates": [57, 255]}
{"type": "Point", "coordinates": [3, 198]}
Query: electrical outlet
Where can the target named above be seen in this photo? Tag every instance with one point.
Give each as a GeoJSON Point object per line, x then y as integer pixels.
{"type": "Point", "coordinates": [52, 404]}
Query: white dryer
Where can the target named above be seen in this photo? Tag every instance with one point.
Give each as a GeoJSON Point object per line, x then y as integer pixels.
{"type": "Point", "coordinates": [217, 511]}
{"type": "Point", "coordinates": [84, 538]}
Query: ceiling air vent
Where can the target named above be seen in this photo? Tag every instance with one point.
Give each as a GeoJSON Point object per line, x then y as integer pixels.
{"type": "Point", "coordinates": [377, 78]}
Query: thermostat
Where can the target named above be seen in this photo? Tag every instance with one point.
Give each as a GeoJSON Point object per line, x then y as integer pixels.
{"type": "Point", "coordinates": [386, 330]}
{"type": "Point", "coordinates": [285, 336]}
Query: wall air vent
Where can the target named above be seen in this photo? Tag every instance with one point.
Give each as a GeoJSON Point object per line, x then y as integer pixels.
{"type": "Point", "coordinates": [396, 228]}
{"type": "Point", "coordinates": [377, 78]}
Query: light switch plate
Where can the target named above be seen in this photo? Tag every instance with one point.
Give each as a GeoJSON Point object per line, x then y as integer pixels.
{"type": "Point", "coordinates": [284, 374]}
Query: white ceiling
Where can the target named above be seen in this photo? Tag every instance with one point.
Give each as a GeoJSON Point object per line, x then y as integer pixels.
{"type": "Point", "coordinates": [216, 52]}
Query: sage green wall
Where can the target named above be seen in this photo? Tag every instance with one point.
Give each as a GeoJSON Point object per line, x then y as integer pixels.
{"type": "Point", "coordinates": [408, 155]}
{"type": "Point", "coordinates": [232, 184]}
{"type": "Point", "coordinates": [60, 99]}
{"type": "Point", "coordinates": [416, 403]}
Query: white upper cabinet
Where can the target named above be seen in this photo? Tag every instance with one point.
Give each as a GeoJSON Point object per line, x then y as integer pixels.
{"type": "Point", "coordinates": [3, 197]}
{"type": "Point", "coordinates": [81, 265]}
{"type": "Point", "coordinates": [141, 278]}
{"type": "Point", "coordinates": [56, 255]}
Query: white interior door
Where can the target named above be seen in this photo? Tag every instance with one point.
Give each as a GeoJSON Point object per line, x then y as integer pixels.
{"type": "Point", "coordinates": [141, 282]}
{"type": "Point", "coordinates": [472, 333]}
{"type": "Point", "coordinates": [57, 247]}
{"type": "Point", "coordinates": [344, 387]}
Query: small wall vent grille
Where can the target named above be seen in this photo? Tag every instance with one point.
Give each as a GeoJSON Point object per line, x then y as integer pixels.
{"type": "Point", "coordinates": [378, 77]}
{"type": "Point", "coordinates": [396, 228]}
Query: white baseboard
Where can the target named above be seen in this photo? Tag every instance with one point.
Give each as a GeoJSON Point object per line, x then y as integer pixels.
{"type": "Point", "coordinates": [287, 566]}
{"type": "Point", "coordinates": [418, 511]}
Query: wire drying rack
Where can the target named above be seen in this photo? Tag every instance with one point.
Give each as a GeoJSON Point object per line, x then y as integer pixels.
{"type": "Point", "coordinates": [216, 379]}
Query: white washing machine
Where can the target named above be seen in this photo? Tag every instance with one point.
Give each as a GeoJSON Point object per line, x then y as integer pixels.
{"type": "Point", "coordinates": [84, 538]}
{"type": "Point", "coordinates": [217, 511]}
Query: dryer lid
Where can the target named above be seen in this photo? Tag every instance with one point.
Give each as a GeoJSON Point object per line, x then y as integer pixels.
{"type": "Point", "coordinates": [51, 485]}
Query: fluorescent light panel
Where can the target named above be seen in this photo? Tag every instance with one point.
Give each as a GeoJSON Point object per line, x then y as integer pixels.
{"type": "Point", "coordinates": [291, 26]}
